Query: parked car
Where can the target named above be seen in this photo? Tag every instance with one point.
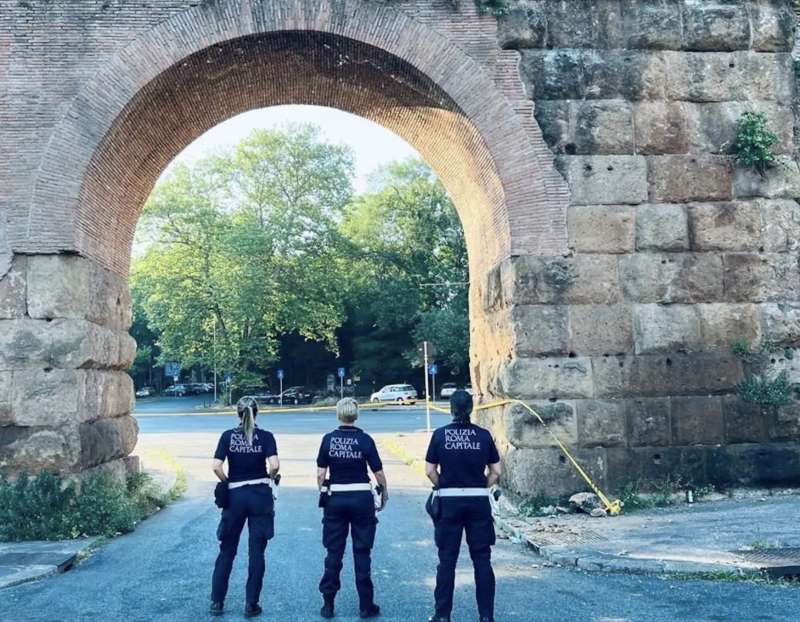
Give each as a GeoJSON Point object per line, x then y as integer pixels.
{"type": "Point", "coordinates": [448, 388]}
{"type": "Point", "coordinates": [145, 392]}
{"type": "Point", "coordinates": [177, 390]}
{"type": "Point", "coordinates": [400, 393]}
{"type": "Point", "coordinates": [293, 395]}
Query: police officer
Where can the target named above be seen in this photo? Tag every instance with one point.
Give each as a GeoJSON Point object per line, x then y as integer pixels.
{"type": "Point", "coordinates": [456, 463]}
{"type": "Point", "coordinates": [252, 457]}
{"type": "Point", "coordinates": [347, 499]}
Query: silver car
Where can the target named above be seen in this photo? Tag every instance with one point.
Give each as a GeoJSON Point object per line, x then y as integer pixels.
{"type": "Point", "coordinates": [400, 393]}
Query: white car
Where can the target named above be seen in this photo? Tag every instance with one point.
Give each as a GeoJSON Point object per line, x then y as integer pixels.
{"type": "Point", "coordinates": [400, 393]}
{"type": "Point", "coordinates": [448, 388]}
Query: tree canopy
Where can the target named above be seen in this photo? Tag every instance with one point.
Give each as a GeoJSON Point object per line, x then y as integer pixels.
{"type": "Point", "coordinates": [252, 253]}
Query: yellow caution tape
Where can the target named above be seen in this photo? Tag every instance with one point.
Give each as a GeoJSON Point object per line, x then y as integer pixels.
{"type": "Point", "coordinates": [612, 507]}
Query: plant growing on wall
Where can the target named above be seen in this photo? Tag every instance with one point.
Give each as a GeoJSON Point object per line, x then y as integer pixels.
{"type": "Point", "coordinates": [757, 387]}
{"type": "Point", "coordinates": [559, 274]}
{"type": "Point", "coordinates": [754, 142]}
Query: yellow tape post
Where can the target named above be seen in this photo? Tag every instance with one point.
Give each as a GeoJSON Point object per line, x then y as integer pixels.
{"type": "Point", "coordinates": [612, 507]}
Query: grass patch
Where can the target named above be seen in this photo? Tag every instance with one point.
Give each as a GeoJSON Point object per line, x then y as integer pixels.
{"type": "Point", "coordinates": [49, 507]}
{"type": "Point", "coordinates": [534, 506]}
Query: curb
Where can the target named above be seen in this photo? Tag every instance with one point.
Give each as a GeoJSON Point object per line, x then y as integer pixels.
{"type": "Point", "coordinates": [21, 562]}
{"type": "Point", "coordinates": [597, 561]}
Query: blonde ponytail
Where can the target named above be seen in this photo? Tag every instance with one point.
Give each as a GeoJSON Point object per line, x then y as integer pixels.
{"type": "Point", "coordinates": [249, 424]}
{"type": "Point", "coordinates": [247, 409]}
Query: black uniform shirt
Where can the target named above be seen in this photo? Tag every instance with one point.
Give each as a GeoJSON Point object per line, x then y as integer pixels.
{"type": "Point", "coordinates": [462, 451]}
{"type": "Point", "coordinates": [346, 452]}
{"type": "Point", "coordinates": [246, 462]}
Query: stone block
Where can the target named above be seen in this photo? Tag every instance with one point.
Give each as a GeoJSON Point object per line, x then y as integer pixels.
{"type": "Point", "coordinates": [606, 180]}
{"type": "Point", "coordinates": [649, 422]}
{"type": "Point", "coordinates": [652, 25]}
{"type": "Point", "coordinates": [661, 127]}
{"type": "Point", "coordinates": [12, 289]}
{"type": "Point", "coordinates": [732, 226]}
{"type": "Point", "coordinates": [555, 120]}
{"type": "Point", "coordinates": [524, 26]}
{"type": "Point", "coordinates": [31, 450]}
{"type": "Point", "coordinates": [45, 397]}
{"type": "Point", "coordinates": [531, 471]}
{"type": "Point", "coordinates": [592, 74]}
{"type": "Point", "coordinates": [648, 468]}
{"type": "Point", "coordinates": [600, 329]}
{"type": "Point", "coordinates": [724, 76]}
{"type": "Point", "coordinates": [784, 425]}
{"type": "Point", "coordinates": [535, 280]}
{"type": "Point", "coordinates": [57, 286]}
{"type": "Point", "coordinates": [107, 439]}
{"type": "Point", "coordinates": [5, 398]}
{"type": "Point", "coordinates": [781, 322]}
{"type": "Point", "coordinates": [524, 430]}
{"type": "Point", "coordinates": [544, 378]}
{"type": "Point", "coordinates": [685, 178]}
{"type": "Point", "coordinates": [601, 423]}
{"type": "Point", "coordinates": [601, 228]}
{"type": "Point", "coordinates": [712, 126]}
{"type": "Point", "coordinates": [657, 375]}
{"type": "Point", "coordinates": [754, 465]}
{"type": "Point", "coordinates": [723, 324]}
{"type": "Point", "coordinates": [23, 343]}
{"type": "Point", "coordinates": [672, 278]}
{"type": "Point", "coordinates": [765, 277]}
{"type": "Point", "coordinates": [662, 227]}
{"type": "Point", "coordinates": [743, 422]}
{"type": "Point", "coordinates": [715, 25]}
{"type": "Point", "coordinates": [602, 127]}
{"type": "Point", "coordinates": [781, 225]}
{"type": "Point", "coordinates": [666, 328]}
{"type": "Point", "coordinates": [697, 420]}
{"type": "Point", "coordinates": [540, 330]}
{"type": "Point", "coordinates": [782, 181]}
{"type": "Point", "coordinates": [772, 23]}
{"type": "Point", "coordinates": [110, 300]}
{"type": "Point", "coordinates": [105, 394]}
{"type": "Point", "coordinates": [595, 25]}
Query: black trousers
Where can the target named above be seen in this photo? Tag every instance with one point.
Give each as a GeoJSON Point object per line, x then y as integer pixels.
{"type": "Point", "coordinates": [353, 512]}
{"type": "Point", "coordinates": [472, 515]}
{"type": "Point", "coordinates": [255, 505]}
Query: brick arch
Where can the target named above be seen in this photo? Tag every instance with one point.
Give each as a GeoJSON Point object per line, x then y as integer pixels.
{"type": "Point", "coordinates": [158, 93]}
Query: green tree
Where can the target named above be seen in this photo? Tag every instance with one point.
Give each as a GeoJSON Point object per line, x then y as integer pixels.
{"type": "Point", "coordinates": [410, 270]}
{"type": "Point", "coordinates": [245, 250]}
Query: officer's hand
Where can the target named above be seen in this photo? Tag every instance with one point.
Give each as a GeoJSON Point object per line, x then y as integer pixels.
{"type": "Point", "coordinates": [384, 500]}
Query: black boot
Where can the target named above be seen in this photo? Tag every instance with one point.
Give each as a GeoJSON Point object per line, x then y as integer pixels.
{"type": "Point", "coordinates": [485, 619]}
{"type": "Point", "coordinates": [251, 610]}
{"type": "Point", "coordinates": [216, 609]}
{"type": "Point", "coordinates": [373, 611]}
{"type": "Point", "coordinates": [327, 606]}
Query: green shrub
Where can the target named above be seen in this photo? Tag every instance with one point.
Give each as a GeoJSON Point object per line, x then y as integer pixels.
{"type": "Point", "coordinates": [48, 507]}
{"type": "Point", "coordinates": [766, 392]}
{"type": "Point", "coordinates": [753, 143]}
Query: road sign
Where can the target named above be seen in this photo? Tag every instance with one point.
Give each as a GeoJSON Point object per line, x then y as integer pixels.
{"type": "Point", "coordinates": [279, 373]}
{"type": "Point", "coordinates": [172, 369]}
{"type": "Point", "coordinates": [340, 372]}
{"type": "Point", "coordinates": [433, 369]}
{"type": "Point", "coordinates": [431, 349]}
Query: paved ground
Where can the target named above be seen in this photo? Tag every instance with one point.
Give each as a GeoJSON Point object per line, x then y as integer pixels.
{"type": "Point", "coordinates": [162, 571]}
{"type": "Point", "coordinates": [705, 537]}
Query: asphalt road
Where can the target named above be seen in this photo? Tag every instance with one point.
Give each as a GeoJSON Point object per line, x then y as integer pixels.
{"type": "Point", "coordinates": [162, 571]}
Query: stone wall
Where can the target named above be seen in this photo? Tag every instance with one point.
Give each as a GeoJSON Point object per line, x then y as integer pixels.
{"type": "Point", "coordinates": [678, 253]}
{"type": "Point", "coordinates": [65, 399]}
